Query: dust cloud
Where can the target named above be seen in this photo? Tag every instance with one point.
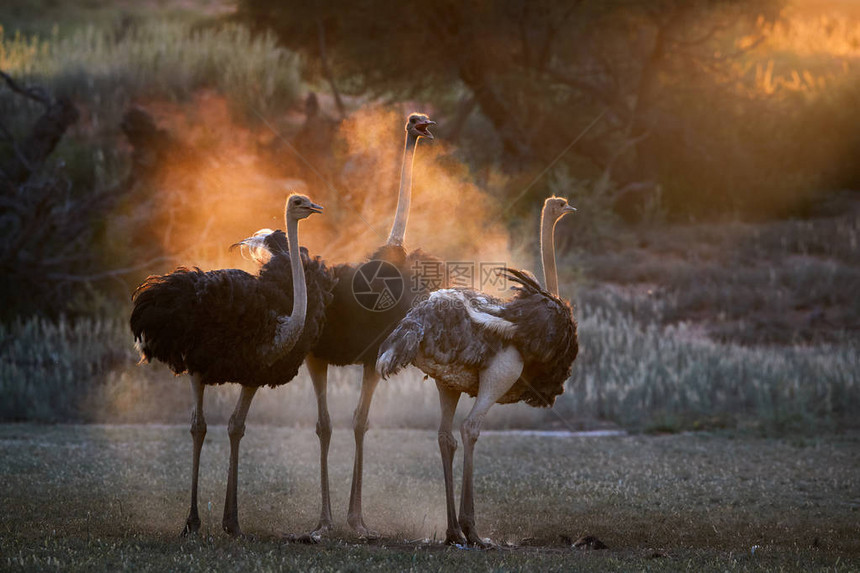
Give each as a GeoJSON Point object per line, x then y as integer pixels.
{"type": "Point", "coordinates": [231, 178]}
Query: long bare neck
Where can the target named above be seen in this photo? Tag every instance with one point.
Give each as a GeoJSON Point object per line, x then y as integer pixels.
{"type": "Point", "coordinates": [300, 289]}
{"type": "Point", "coordinates": [547, 251]}
{"type": "Point", "coordinates": [398, 228]}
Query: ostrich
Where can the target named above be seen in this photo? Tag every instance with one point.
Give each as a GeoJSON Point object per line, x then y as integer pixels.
{"type": "Point", "coordinates": [501, 352]}
{"type": "Point", "coordinates": [352, 333]}
{"type": "Point", "coordinates": [230, 326]}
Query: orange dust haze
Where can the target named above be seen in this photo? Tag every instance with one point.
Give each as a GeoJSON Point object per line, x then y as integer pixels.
{"type": "Point", "coordinates": [228, 180]}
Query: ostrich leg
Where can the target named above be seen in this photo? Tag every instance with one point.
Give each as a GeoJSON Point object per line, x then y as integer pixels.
{"type": "Point", "coordinates": [448, 400]}
{"type": "Point", "coordinates": [235, 429]}
{"type": "Point", "coordinates": [496, 379]}
{"type": "Point", "coordinates": [319, 375]}
{"type": "Point", "coordinates": [198, 434]}
{"type": "Point", "coordinates": [359, 423]}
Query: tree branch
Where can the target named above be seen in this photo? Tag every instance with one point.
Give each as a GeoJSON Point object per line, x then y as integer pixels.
{"type": "Point", "coordinates": [35, 93]}
{"type": "Point", "coordinates": [326, 71]}
{"type": "Point", "coordinates": [17, 150]}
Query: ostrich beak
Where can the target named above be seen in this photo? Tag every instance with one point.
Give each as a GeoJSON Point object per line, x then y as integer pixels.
{"type": "Point", "coordinates": [422, 128]}
{"type": "Point", "coordinates": [316, 208]}
{"type": "Point", "coordinates": [568, 209]}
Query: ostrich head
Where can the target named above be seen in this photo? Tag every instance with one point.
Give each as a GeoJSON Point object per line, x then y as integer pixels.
{"type": "Point", "coordinates": [557, 207]}
{"type": "Point", "coordinates": [300, 207]}
{"type": "Point", "coordinates": [418, 124]}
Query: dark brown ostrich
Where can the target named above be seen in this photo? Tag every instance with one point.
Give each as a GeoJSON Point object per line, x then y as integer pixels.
{"type": "Point", "coordinates": [230, 326]}
{"type": "Point", "coordinates": [502, 352]}
{"type": "Point", "coordinates": [353, 332]}
{"type": "Point", "coordinates": [354, 329]}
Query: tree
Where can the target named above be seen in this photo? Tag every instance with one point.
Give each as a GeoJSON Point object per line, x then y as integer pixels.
{"type": "Point", "coordinates": [49, 226]}
{"type": "Point", "coordinates": [541, 70]}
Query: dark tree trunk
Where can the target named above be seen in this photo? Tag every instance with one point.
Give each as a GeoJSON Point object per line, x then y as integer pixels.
{"type": "Point", "coordinates": [515, 151]}
{"type": "Point", "coordinates": [643, 110]}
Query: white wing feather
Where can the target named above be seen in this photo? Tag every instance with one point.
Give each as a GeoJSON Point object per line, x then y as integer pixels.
{"type": "Point", "coordinates": [479, 309]}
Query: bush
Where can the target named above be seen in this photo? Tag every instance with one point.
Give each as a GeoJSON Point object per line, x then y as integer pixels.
{"type": "Point", "coordinates": [84, 186]}
{"type": "Point", "coordinates": [630, 371]}
{"type": "Point", "coordinates": [48, 368]}
{"type": "Point", "coordinates": [106, 69]}
{"type": "Point", "coordinates": [638, 372]}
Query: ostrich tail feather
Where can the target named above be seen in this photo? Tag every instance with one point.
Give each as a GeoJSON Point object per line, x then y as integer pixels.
{"type": "Point", "coordinates": [525, 279]}
{"type": "Point", "coordinates": [400, 348]}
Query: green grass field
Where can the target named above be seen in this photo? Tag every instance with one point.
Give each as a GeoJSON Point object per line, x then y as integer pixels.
{"type": "Point", "coordinates": [105, 498]}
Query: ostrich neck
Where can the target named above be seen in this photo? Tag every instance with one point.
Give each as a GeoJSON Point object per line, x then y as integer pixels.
{"type": "Point", "coordinates": [300, 291]}
{"type": "Point", "coordinates": [398, 228]}
{"type": "Point", "coordinates": [547, 251]}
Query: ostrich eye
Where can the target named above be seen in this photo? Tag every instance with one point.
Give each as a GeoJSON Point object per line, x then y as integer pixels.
{"type": "Point", "coordinates": [412, 119]}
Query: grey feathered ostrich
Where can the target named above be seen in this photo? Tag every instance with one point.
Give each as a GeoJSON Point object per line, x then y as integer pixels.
{"type": "Point", "coordinates": [230, 326]}
{"type": "Point", "coordinates": [352, 333]}
{"type": "Point", "coordinates": [501, 352]}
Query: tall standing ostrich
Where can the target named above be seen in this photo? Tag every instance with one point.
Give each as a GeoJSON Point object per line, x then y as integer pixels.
{"type": "Point", "coordinates": [352, 333]}
{"type": "Point", "coordinates": [501, 352]}
{"type": "Point", "coordinates": [230, 326]}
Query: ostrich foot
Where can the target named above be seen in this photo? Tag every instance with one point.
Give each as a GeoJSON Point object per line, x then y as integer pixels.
{"type": "Point", "coordinates": [455, 537]}
{"type": "Point", "coordinates": [357, 524]}
{"type": "Point", "coordinates": [321, 529]}
{"type": "Point", "coordinates": [232, 529]}
{"type": "Point", "coordinates": [192, 526]}
{"type": "Point", "coordinates": [476, 540]}
{"type": "Point", "coordinates": [483, 543]}
{"type": "Point", "coordinates": [311, 538]}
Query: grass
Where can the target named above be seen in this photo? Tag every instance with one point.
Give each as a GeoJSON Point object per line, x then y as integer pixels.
{"type": "Point", "coordinates": [637, 374]}
{"type": "Point", "coordinates": [49, 367]}
{"type": "Point", "coordinates": [109, 497]}
{"type": "Point", "coordinates": [632, 371]}
{"type": "Point", "coordinates": [153, 58]}
{"type": "Point", "coordinates": [779, 282]}
{"type": "Point", "coordinates": [41, 17]}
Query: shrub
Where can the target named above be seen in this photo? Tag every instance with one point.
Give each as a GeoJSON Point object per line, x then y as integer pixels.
{"type": "Point", "coordinates": [157, 59]}
{"type": "Point", "coordinates": [631, 371]}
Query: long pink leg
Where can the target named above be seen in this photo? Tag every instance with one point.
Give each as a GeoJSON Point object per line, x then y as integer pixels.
{"type": "Point", "coordinates": [198, 434]}
{"type": "Point", "coordinates": [496, 379]}
{"type": "Point", "coordinates": [448, 400]}
{"type": "Point", "coordinates": [359, 424]}
{"type": "Point", "coordinates": [236, 429]}
{"type": "Point", "coordinates": [318, 370]}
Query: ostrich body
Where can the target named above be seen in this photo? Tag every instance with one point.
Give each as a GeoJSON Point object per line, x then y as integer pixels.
{"type": "Point", "coordinates": [230, 326]}
{"type": "Point", "coordinates": [352, 334]}
{"type": "Point", "coordinates": [500, 352]}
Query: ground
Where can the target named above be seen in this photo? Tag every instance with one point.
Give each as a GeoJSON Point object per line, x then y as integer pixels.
{"type": "Point", "coordinates": [101, 498]}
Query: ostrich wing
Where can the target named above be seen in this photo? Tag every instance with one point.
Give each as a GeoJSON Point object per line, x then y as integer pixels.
{"type": "Point", "coordinates": [453, 326]}
{"type": "Point", "coordinates": [264, 244]}
{"type": "Point", "coordinates": [545, 336]}
{"type": "Point", "coordinates": [545, 327]}
{"type": "Point", "coordinates": [216, 323]}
